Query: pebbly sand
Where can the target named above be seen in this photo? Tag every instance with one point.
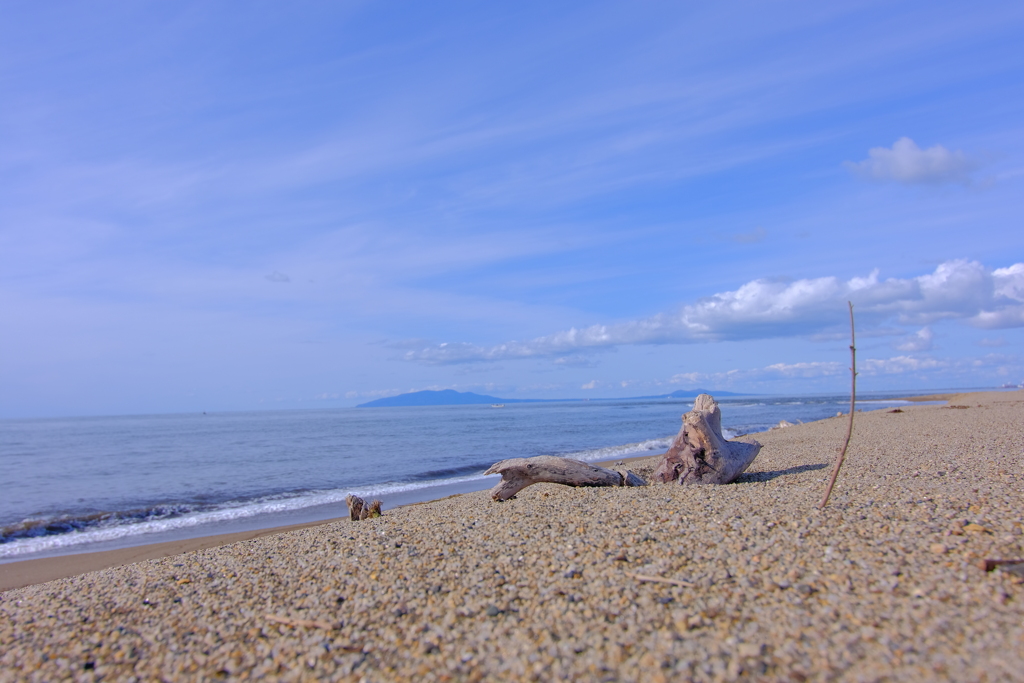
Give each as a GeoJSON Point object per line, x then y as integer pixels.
{"type": "Point", "coordinates": [885, 584]}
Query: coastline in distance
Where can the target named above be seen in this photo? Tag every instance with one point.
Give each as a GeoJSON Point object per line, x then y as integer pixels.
{"type": "Point", "coordinates": [450, 397]}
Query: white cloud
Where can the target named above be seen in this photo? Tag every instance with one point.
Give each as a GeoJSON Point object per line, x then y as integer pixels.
{"type": "Point", "coordinates": [1010, 281]}
{"type": "Point", "coordinates": [802, 370]}
{"type": "Point", "coordinates": [1008, 285]}
{"type": "Point", "coordinates": [818, 369]}
{"type": "Point", "coordinates": [575, 361]}
{"type": "Point", "coordinates": [592, 384]}
{"type": "Point", "coordinates": [812, 369]}
{"type": "Point", "coordinates": [908, 163]}
{"type": "Point", "coordinates": [761, 309]}
{"type": "Point", "coordinates": [898, 365]}
{"type": "Point", "coordinates": [688, 378]}
{"type": "Point", "coordinates": [919, 341]}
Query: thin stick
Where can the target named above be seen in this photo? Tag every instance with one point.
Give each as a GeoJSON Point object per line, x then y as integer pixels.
{"type": "Point", "coordinates": [853, 400]}
{"type": "Point", "coordinates": [658, 579]}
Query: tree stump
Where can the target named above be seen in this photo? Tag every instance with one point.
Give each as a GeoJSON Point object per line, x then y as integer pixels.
{"type": "Point", "coordinates": [518, 473]}
{"type": "Point", "coordinates": [700, 454]}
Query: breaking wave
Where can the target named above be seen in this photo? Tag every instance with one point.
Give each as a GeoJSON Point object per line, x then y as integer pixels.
{"type": "Point", "coordinates": [48, 533]}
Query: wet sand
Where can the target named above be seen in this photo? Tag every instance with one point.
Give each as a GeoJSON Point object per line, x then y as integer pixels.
{"type": "Point", "coordinates": [745, 581]}
{"type": "Point", "coordinates": [30, 572]}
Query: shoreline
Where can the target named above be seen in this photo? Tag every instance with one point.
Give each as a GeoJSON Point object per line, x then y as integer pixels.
{"type": "Point", "coordinates": [21, 573]}
{"type": "Point", "coordinates": [749, 581]}
{"type": "Point", "coordinates": [33, 571]}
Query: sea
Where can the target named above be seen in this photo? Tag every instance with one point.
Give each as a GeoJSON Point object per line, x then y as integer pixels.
{"type": "Point", "coordinates": [83, 484]}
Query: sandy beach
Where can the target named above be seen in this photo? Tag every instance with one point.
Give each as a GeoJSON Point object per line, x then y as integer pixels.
{"type": "Point", "coordinates": [744, 581]}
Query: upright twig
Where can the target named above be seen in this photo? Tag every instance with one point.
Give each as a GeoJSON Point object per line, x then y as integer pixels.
{"type": "Point", "coordinates": [849, 425]}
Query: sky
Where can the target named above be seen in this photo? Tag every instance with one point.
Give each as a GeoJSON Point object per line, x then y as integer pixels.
{"type": "Point", "coordinates": [225, 206]}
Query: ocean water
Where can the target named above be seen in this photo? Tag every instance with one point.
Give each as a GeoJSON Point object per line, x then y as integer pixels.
{"type": "Point", "coordinates": [83, 484]}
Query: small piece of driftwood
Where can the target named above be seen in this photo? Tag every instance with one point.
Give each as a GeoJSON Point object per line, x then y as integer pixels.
{"type": "Point", "coordinates": [518, 473]}
{"type": "Point", "coordinates": [658, 579]}
{"type": "Point", "coordinates": [700, 454]}
{"type": "Point", "coordinates": [989, 565]}
{"type": "Point", "coordinates": [359, 509]}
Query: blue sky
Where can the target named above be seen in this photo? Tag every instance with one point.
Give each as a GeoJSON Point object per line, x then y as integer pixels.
{"type": "Point", "coordinates": [318, 204]}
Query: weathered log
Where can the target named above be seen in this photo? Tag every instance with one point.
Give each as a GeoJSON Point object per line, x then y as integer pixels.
{"type": "Point", "coordinates": [700, 454]}
{"type": "Point", "coordinates": [518, 473]}
{"type": "Point", "coordinates": [359, 509]}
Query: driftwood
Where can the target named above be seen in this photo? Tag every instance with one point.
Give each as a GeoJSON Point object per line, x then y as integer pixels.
{"type": "Point", "coordinates": [359, 509]}
{"type": "Point", "coordinates": [700, 454]}
{"type": "Point", "coordinates": [658, 579]}
{"type": "Point", "coordinates": [518, 473]}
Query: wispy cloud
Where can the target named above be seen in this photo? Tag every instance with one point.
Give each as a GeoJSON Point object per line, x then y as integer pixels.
{"type": "Point", "coordinates": [907, 163]}
{"type": "Point", "coordinates": [576, 361]}
{"type": "Point", "coordinates": [802, 370]}
{"type": "Point", "coordinates": [761, 309]}
{"type": "Point", "coordinates": [807, 369]}
{"type": "Point", "coordinates": [868, 367]}
{"type": "Point", "coordinates": [900, 364]}
{"type": "Point", "coordinates": [919, 341]}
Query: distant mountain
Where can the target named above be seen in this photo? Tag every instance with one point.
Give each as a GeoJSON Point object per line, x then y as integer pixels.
{"type": "Point", "coordinates": [450, 397]}
{"type": "Point", "coordinates": [447, 397]}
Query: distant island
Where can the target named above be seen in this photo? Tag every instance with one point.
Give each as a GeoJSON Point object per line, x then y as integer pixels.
{"type": "Point", "coordinates": [450, 397]}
